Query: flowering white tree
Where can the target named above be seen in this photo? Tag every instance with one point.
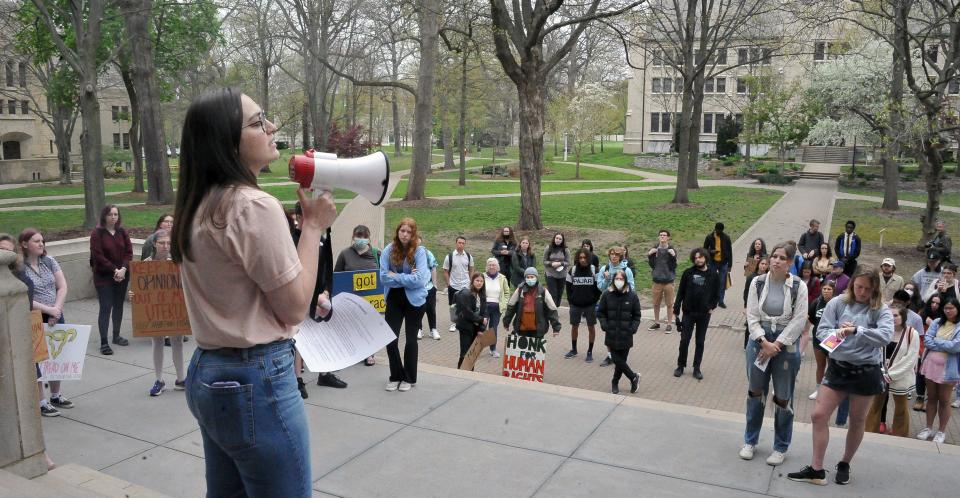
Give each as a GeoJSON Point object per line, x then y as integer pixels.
{"type": "Point", "coordinates": [587, 115]}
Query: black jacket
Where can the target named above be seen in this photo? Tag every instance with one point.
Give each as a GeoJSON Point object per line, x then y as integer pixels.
{"type": "Point", "coordinates": [855, 247]}
{"type": "Point", "coordinates": [504, 260]}
{"type": "Point", "coordinates": [518, 264]}
{"type": "Point", "coordinates": [726, 248]}
{"type": "Point", "coordinates": [619, 315]}
{"type": "Point", "coordinates": [809, 242]}
{"type": "Point", "coordinates": [546, 311]}
{"type": "Point", "coordinates": [699, 291]}
{"type": "Point", "coordinates": [582, 286]}
{"type": "Point", "coordinates": [469, 315]}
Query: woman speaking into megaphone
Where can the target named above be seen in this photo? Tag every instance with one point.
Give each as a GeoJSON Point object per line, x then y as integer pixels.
{"type": "Point", "coordinates": [246, 287]}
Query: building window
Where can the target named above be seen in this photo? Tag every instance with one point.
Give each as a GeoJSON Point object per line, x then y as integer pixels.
{"type": "Point", "coordinates": [51, 146]}
{"type": "Point", "coordinates": [708, 123]}
{"type": "Point", "coordinates": [722, 57]}
{"type": "Point", "coordinates": [660, 122]}
{"type": "Point", "coordinates": [932, 53]}
{"type": "Point", "coordinates": [9, 73]}
{"type": "Point", "coordinates": [738, 118]}
{"type": "Point", "coordinates": [115, 113]}
{"type": "Point", "coordinates": [12, 107]}
{"type": "Point", "coordinates": [24, 107]}
{"type": "Point", "coordinates": [743, 56]}
{"type": "Point", "coordinates": [666, 86]}
{"type": "Point", "coordinates": [954, 87]}
{"type": "Point", "coordinates": [767, 56]}
{"type": "Point", "coordinates": [657, 57]}
{"type": "Point", "coordinates": [721, 85]}
{"type": "Point", "coordinates": [125, 112]}
{"type": "Point", "coordinates": [126, 141]}
{"type": "Point", "coordinates": [820, 51]}
{"type": "Point", "coordinates": [116, 140]}
{"type": "Point", "coordinates": [741, 85]}
{"type": "Point", "coordinates": [708, 85]}
{"type": "Point", "coordinates": [23, 75]}
{"type": "Point", "coordinates": [655, 86]}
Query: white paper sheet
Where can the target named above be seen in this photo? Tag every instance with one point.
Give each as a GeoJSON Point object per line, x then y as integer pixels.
{"type": "Point", "coordinates": [761, 363]}
{"type": "Point", "coordinates": [355, 332]}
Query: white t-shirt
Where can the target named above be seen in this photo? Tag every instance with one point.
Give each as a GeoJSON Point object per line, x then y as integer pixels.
{"type": "Point", "coordinates": [459, 269]}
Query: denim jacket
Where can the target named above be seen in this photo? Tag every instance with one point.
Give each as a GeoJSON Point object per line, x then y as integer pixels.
{"type": "Point", "coordinates": [790, 323]}
{"type": "Point", "coordinates": [414, 284]}
{"type": "Point", "coordinates": [950, 346]}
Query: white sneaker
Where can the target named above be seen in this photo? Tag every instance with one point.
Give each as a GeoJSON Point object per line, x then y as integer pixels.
{"type": "Point", "coordinates": [925, 434]}
{"type": "Point", "coordinates": [746, 452]}
{"type": "Point", "coordinates": [392, 386]}
{"type": "Point", "coordinates": [775, 458]}
{"type": "Point", "coordinates": [495, 354]}
{"type": "Point", "coordinates": [956, 404]}
{"type": "Point", "coordinates": [453, 327]}
{"type": "Point", "coordinates": [813, 395]}
{"type": "Point", "coordinates": [404, 387]}
{"type": "Point", "coordinates": [434, 334]}
{"type": "Point", "coordinates": [420, 334]}
{"type": "Point", "coordinates": [939, 438]}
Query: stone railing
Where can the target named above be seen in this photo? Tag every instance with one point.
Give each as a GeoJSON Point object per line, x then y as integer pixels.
{"type": "Point", "coordinates": [74, 258]}
{"type": "Point", "coordinates": [21, 433]}
{"type": "Point", "coordinates": [668, 163]}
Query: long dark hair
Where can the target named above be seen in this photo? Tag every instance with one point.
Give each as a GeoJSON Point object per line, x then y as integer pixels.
{"type": "Point", "coordinates": [103, 217]}
{"type": "Point", "coordinates": [209, 158]}
{"type": "Point", "coordinates": [956, 306]}
{"type": "Point", "coordinates": [511, 239]}
{"type": "Point", "coordinates": [482, 292]}
{"type": "Point", "coordinates": [553, 240]}
{"type": "Point", "coordinates": [928, 311]}
{"type": "Point", "coordinates": [753, 250]}
{"type": "Point", "coordinates": [160, 220]}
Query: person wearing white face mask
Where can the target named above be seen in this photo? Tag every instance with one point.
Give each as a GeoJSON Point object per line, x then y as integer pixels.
{"type": "Point", "coordinates": [359, 256]}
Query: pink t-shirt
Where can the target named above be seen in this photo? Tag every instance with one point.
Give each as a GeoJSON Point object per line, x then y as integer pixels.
{"type": "Point", "coordinates": [233, 268]}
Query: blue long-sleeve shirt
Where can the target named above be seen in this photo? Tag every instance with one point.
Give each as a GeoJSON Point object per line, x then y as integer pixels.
{"type": "Point", "coordinates": [603, 283]}
{"type": "Point", "coordinates": [950, 346]}
{"type": "Point", "coordinates": [414, 284]}
{"type": "Point", "coordinates": [874, 330]}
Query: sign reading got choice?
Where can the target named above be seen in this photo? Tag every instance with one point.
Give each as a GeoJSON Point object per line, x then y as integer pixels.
{"type": "Point", "coordinates": [363, 283]}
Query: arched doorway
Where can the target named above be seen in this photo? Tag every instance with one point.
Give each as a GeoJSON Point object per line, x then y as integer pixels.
{"type": "Point", "coordinates": [11, 150]}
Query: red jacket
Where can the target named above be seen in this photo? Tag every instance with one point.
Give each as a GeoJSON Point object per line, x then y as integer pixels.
{"type": "Point", "coordinates": [109, 253]}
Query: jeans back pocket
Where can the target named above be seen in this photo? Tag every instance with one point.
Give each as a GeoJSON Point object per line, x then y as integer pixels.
{"type": "Point", "coordinates": [226, 414]}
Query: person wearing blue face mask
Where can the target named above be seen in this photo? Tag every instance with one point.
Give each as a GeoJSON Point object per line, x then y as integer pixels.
{"type": "Point", "coordinates": [531, 310]}
{"type": "Point", "coordinates": [359, 256]}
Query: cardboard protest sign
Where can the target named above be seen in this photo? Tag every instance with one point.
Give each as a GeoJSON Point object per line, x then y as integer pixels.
{"type": "Point", "coordinates": [485, 340]}
{"type": "Point", "coordinates": [524, 357]}
{"type": "Point", "coordinates": [363, 283]}
{"type": "Point", "coordinates": [157, 299]}
{"type": "Point", "coordinates": [40, 351]}
{"type": "Point", "coordinates": [68, 348]}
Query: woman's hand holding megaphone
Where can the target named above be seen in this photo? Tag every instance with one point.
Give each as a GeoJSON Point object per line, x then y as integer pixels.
{"type": "Point", "coordinates": [318, 213]}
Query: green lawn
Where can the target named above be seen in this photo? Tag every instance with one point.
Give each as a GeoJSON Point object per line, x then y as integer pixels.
{"type": "Point", "coordinates": [480, 187]}
{"type": "Point", "coordinates": [946, 199]}
{"type": "Point", "coordinates": [631, 218]}
{"type": "Point", "coordinates": [902, 227]}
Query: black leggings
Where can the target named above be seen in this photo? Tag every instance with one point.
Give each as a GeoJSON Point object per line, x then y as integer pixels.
{"type": "Point", "coordinates": [466, 340]}
{"type": "Point", "coordinates": [431, 308]}
{"type": "Point", "coordinates": [555, 287]}
{"type": "Point", "coordinates": [619, 357]}
{"type": "Point", "coordinates": [111, 299]}
{"type": "Point", "coordinates": [401, 313]}
{"type": "Point", "coordinates": [693, 322]}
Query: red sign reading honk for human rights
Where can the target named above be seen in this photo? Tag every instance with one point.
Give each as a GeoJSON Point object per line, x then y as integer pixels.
{"type": "Point", "coordinates": [524, 357]}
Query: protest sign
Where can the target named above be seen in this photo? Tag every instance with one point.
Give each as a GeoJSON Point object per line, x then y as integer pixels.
{"type": "Point", "coordinates": [68, 347]}
{"type": "Point", "coordinates": [157, 299]}
{"type": "Point", "coordinates": [363, 283]}
{"type": "Point", "coordinates": [524, 357]}
{"type": "Point", "coordinates": [354, 332]}
{"type": "Point", "coordinates": [40, 351]}
{"type": "Point", "coordinates": [485, 340]}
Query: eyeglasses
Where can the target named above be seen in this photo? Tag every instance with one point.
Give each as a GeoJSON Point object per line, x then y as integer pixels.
{"type": "Point", "coordinates": [262, 122]}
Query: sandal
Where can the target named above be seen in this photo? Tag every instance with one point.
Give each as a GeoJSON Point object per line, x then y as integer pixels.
{"type": "Point", "coordinates": [105, 350]}
{"type": "Point", "coordinates": [370, 361]}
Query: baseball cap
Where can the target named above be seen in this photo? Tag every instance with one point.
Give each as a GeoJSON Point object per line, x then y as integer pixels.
{"type": "Point", "coordinates": [888, 261]}
{"type": "Point", "coordinates": [837, 264]}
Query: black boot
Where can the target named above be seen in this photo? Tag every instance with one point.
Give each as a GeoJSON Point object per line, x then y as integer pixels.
{"type": "Point", "coordinates": [302, 388]}
{"type": "Point", "coordinates": [330, 380]}
{"type": "Point", "coordinates": [616, 387]}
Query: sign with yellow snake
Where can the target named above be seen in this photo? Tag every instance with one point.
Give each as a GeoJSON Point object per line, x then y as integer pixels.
{"type": "Point", "coordinates": [68, 348]}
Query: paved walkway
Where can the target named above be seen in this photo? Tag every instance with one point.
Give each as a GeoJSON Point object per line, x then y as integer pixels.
{"type": "Point", "coordinates": [469, 434]}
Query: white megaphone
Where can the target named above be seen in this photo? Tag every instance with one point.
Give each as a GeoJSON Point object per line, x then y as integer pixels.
{"type": "Point", "coordinates": [321, 171]}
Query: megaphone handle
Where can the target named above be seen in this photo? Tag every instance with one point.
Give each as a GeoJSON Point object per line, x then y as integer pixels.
{"type": "Point", "coordinates": [324, 278]}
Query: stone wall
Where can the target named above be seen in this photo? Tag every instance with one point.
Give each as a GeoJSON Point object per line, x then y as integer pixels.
{"type": "Point", "coordinates": [29, 170]}
{"type": "Point", "coordinates": [74, 258]}
{"type": "Point", "coordinates": [668, 163]}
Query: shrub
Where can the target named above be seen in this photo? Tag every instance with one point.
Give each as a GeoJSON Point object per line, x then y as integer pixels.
{"type": "Point", "coordinates": [775, 179]}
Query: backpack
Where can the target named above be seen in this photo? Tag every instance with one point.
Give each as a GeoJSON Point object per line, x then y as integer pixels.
{"type": "Point", "coordinates": [793, 289]}
{"type": "Point", "coordinates": [449, 257]}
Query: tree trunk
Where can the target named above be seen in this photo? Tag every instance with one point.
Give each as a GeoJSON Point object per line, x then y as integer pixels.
{"type": "Point", "coordinates": [429, 17]}
{"type": "Point", "coordinates": [127, 77]}
{"type": "Point", "coordinates": [532, 110]}
{"type": "Point", "coordinates": [137, 20]}
{"type": "Point", "coordinates": [90, 148]}
{"type": "Point", "coordinates": [395, 109]}
{"type": "Point", "coordinates": [891, 145]}
{"type": "Point", "coordinates": [61, 139]}
{"type": "Point", "coordinates": [305, 126]}
{"type": "Point", "coordinates": [933, 170]}
{"type": "Point", "coordinates": [576, 170]}
{"type": "Point", "coordinates": [694, 144]}
{"type": "Point", "coordinates": [446, 134]}
{"type": "Point", "coordinates": [462, 119]}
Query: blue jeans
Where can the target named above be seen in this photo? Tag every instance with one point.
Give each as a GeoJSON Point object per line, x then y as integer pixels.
{"type": "Point", "coordinates": [255, 435]}
{"type": "Point", "coordinates": [783, 369]}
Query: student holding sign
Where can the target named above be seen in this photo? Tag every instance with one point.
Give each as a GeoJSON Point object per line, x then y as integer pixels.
{"type": "Point", "coordinates": [49, 294]}
{"type": "Point", "coordinates": [472, 313]}
{"type": "Point", "coordinates": [161, 252]}
{"type": "Point", "coordinates": [361, 255]}
{"type": "Point", "coordinates": [246, 287]}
